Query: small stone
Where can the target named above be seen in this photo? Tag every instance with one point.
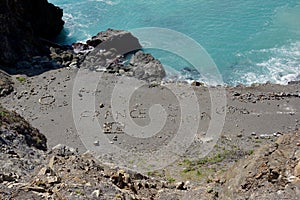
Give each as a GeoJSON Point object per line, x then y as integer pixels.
{"type": "Point", "coordinates": [121, 71]}
{"type": "Point", "coordinates": [42, 171]}
{"type": "Point", "coordinates": [277, 134]}
{"type": "Point", "coordinates": [115, 138]}
{"type": "Point", "coordinates": [101, 69]}
{"type": "Point", "coordinates": [37, 189]}
{"type": "Point", "coordinates": [126, 178]}
{"type": "Point", "coordinates": [236, 94]}
{"type": "Point", "coordinates": [73, 65]}
{"type": "Point", "coordinates": [297, 170]}
{"type": "Point", "coordinates": [130, 73]}
{"type": "Point", "coordinates": [122, 172]}
{"type": "Point", "coordinates": [146, 185]}
{"type": "Point", "coordinates": [96, 143]}
{"type": "Point", "coordinates": [197, 84]}
{"type": "Point", "coordinates": [210, 190]}
{"type": "Point", "coordinates": [180, 186]}
{"type": "Point", "coordinates": [96, 193]}
{"type": "Point", "coordinates": [53, 180]}
{"type": "Point", "coordinates": [88, 184]}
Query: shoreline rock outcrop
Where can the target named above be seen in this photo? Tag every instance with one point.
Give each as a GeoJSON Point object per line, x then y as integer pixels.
{"type": "Point", "coordinates": [106, 52]}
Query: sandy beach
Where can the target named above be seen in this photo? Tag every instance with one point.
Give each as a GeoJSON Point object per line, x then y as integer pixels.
{"type": "Point", "coordinates": [51, 103]}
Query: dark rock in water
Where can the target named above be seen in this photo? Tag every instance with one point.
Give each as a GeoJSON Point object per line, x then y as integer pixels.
{"type": "Point", "coordinates": [6, 84]}
{"type": "Point", "coordinates": [22, 23]}
{"type": "Point", "coordinates": [146, 67]}
{"type": "Point", "coordinates": [122, 41]}
{"type": "Point", "coordinates": [106, 53]}
{"type": "Point", "coordinates": [106, 50]}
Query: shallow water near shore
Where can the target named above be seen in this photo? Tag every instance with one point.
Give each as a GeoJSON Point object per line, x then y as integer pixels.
{"type": "Point", "coordinates": [250, 41]}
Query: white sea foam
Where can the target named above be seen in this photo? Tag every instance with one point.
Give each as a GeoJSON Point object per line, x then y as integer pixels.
{"type": "Point", "coordinates": [109, 2]}
{"type": "Point", "coordinates": [281, 66]}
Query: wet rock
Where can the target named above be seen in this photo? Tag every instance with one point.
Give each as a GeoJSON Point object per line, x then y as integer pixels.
{"type": "Point", "coordinates": [123, 41]}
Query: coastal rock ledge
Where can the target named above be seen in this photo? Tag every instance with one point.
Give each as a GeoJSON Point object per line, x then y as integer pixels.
{"type": "Point", "coordinates": [23, 26]}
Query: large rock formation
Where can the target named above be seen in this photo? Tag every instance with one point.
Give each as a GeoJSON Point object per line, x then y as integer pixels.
{"type": "Point", "coordinates": [107, 50]}
{"type": "Point", "coordinates": [22, 24]}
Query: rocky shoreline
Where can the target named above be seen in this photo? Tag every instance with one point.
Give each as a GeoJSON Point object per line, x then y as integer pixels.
{"type": "Point", "coordinates": [43, 154]}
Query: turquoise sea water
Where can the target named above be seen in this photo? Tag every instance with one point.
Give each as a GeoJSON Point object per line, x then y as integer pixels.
{"type": "Point", "coordinates": [249, 40]}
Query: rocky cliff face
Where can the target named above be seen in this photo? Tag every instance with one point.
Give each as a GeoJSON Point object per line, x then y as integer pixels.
{"type": "Point", "coordinates": [272, 172]}
{"type": "Point", "coordinates": [22, 24]}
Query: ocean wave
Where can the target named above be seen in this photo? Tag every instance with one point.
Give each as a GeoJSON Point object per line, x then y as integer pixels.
{"type": "Point", "coordinates": [281, 66]}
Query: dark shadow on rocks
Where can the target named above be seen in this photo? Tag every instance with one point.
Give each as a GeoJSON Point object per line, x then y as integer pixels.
{"type": "Point", "coordinates": [22, 25]}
